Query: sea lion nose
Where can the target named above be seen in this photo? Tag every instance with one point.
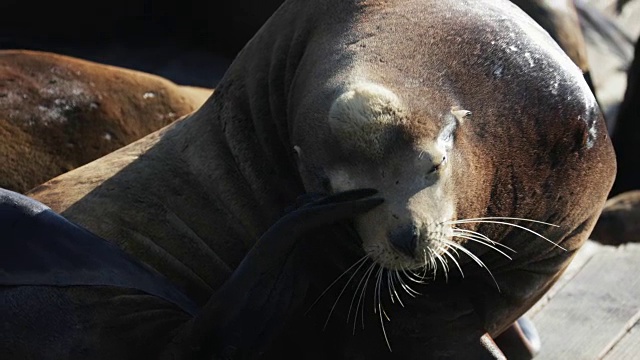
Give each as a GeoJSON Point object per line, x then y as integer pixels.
{"type": "Point", "coordinates": [405, 239]}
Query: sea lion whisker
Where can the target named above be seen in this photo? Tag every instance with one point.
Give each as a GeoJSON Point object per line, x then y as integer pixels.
{"type": "Point", "coordinates": [355, 292]}
{"type": "Point", "coordinates": [389, 284]}
{"type": "Point", "coordinates": [445, 268]}
{"type": "Point", "coordinates": [504, 218]}
{"type": "Point", "coordinates": [384, 312]}
{"type": "Point", "coordinates": [455, 251]}
{"type": "Point", "coordinates": [361, 260]}
{"type": "Point", "coordinates": [360, 304]}
{"type": "Point", "coordinates": [379, 283]}
{"type": "Point", "coordinates": [376, 293]}
{"type": "Point", "coordinates": [470, 238]}
{"type": "Point", "coordinates": [426, 264]}
{"type": "Point", "coordinates": [379, 309]}
{"type": "Point", "coordinates": [419, 277]}
{"type": "Point", "coordinates": [411, 275]}
{"type": "Point", "coordinates": [446, 252]}
{"type": "Point", "coordinates": [433, 263]}
{"type": "Point", "coordinates": [474, 258]}
{"type": "Point", "coordinates": [510, 224]}
{"type": "Point", "coordinates": [483, 237]}
{"type": "Point", "coordinates": [406, 287]}
{"type": "Point", "coordinates": [467, 252]}
{"type": "Point", "coordinates": [394, 288]}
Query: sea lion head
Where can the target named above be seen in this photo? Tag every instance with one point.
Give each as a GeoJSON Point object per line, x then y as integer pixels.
{"type": "Point", "coordinates": [449, 126]}
{"type": "Point", "coordinates": [409, 159]}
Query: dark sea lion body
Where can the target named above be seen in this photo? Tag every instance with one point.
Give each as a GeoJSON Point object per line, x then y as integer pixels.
{"type": "Point", "coordinates": [190, 200]}
{"type": "Point", "coordinates": [59, 112]}
{"type": "Point", "coordinates": [619, 222]}
{"type": "Point", "coordinates": [627, 132]}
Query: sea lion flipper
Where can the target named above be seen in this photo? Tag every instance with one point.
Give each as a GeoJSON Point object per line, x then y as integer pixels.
{"type": "Point", "coordinates": [326, 210]}
{"type": "Point", "coordinates": [260, 262]}
{"type": "Point", "coordinates": [264, 268]}
{"type": "Point", "coordinates": [39, 247]}
{"type": "Point", "coordinates": [349, 195]}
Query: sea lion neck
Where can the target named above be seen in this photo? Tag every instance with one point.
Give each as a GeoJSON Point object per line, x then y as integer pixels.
{"type": "Point", "coordinates": [250, 117]}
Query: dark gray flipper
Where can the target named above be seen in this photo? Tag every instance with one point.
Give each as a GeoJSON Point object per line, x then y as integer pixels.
{"type": "Point", "coordinates": [40, 247]}
{"type": "Point", "coordinates": [248, 311]}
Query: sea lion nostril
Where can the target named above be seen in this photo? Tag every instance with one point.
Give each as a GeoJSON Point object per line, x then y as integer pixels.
{"type": "Point", "coordinates": [405, 239]}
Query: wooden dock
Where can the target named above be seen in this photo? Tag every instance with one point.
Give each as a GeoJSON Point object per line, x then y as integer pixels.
{"type": "Point", "coordinates": [593, 312]}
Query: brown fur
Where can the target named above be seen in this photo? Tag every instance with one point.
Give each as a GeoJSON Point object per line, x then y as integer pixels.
{"type": "Point", "coordinates": [58, 113]}
{"type": "Point", "coordinates": [192, 198]}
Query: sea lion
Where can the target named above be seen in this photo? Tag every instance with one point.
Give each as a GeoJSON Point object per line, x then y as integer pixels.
{"type": "Point", "coordinates": [619, 222]}
{"type": "Point", "coordinates": [627, 132]}
{"type": "Point", "coordinates": [477, 130]}
{"type": "Point", "coordinates": [59, 112]}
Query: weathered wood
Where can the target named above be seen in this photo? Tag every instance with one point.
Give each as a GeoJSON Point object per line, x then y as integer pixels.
{"type": "Point", "coordinates": [592, 313]}
{"type": "Point", "coordinates": [628, 347]}
{"type": "Point", "coordinates": [589, 249]}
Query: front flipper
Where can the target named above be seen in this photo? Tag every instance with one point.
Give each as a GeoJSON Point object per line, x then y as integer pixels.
{"type": "Point", "coordinates": [41, 248]}
{"type": "Point", "coordinates": [249, 309]}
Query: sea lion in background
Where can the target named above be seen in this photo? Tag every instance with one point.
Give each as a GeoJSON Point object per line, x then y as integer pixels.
{"type": "Point", "coordinates": [626, 135]}
{"type": "Point", "coordinates": [619, 222]}
{"type": "Point", "coordinates": [620, 217]}
{"type": "Point", "coordinates": [58, 112]}
{"type": "Point", "coordinates": [464, 115]}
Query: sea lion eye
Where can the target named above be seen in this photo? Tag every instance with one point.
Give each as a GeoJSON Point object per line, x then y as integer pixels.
{"type": "Point", "coordinates": [437, 166]}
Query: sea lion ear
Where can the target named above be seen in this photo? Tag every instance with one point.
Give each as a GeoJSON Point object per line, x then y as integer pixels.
{"type": "Point", "coordinates": [297, 152]}
{"type": "Point", "coordinates": [461, 114]}
{"type": "Point", "coordinates": [361, 115]}
{"type": "Point", "coordinates": [365, 105]}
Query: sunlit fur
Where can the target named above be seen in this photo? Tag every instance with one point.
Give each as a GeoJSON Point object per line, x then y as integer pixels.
{"type": "Point", "coordinates": [361, 115]}
{"type": "Point", "coordinates": [415, 182]}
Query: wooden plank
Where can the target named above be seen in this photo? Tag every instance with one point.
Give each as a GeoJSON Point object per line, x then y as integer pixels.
{"type": "Point", "coordinates": [589, 315]}
{"type": "Point", "coordinates": [583, 256]}
{"type": "Point", "coordinates": [628, 347]}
